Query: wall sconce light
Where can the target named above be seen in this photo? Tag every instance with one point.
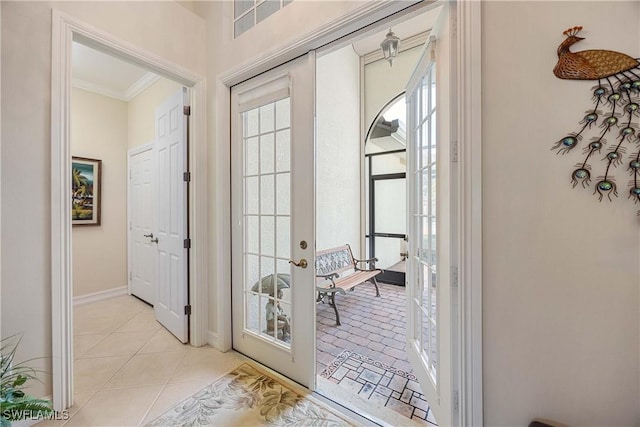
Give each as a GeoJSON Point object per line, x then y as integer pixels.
{"type": "Point", "coordinates": [390, 46]}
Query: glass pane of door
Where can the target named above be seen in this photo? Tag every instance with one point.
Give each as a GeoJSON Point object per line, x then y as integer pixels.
{"type": "Point", "coordinates": [267, 221]}
{"type": "Point", "coordinates": [424, 211]}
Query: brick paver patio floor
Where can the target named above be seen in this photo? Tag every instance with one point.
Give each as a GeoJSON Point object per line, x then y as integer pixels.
{"type": "Point", "coordinates": [371, 326]}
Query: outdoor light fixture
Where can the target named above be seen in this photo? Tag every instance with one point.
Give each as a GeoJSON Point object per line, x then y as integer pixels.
{"type": "Point", "coordinates": [390, 47]}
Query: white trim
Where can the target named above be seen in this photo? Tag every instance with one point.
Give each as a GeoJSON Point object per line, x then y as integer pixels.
{"type": "Point", "coordinates": [469, 49]}
{"type": "Point", "coordinates": [65, 29]}
{"type": "Point", "coordinates": [98, 89]}
{"type": "Point", "coordinates": [140, 86]}
{"type": "Point", "coordinates": [100, 296]}
{"type": "Point", "coordinates": [213, 339]}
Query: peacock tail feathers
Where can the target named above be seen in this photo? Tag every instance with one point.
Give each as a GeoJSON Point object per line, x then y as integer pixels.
{"type": "Point", "coordinates": [611, 125]}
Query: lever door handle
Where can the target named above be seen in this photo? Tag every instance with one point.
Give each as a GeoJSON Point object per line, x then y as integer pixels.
{"type": "Point", "coordinates": [154, 240]}
{"type": "Point", "coordinates": [149, 235]}
{"type": "Point", "coordinates": [303, 263]}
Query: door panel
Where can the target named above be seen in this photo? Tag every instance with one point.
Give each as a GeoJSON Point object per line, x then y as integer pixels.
{"type": "Point", "coordinates": [431, 228]}
{"type": "Point", "coordinates": [171, 218]}
{"type": "Point", "coordinates": [141, 219]}
{"type": "Point", "coordinates": [273, 211]}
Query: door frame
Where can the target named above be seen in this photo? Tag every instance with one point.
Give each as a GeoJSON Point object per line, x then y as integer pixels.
{"type": "Point", "coordinates": [468, 44]}
{"type": "Point", "coordinates": [65, 29]}
{"type": "Point", "coordinates": [130, 153]}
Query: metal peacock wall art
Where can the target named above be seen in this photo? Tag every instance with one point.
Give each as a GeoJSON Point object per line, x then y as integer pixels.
{"type": "Point", "coordinates": [617, 99]}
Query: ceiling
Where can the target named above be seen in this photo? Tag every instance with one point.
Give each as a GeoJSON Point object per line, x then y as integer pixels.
{"type": "Point", "coordinates": [106, 75]}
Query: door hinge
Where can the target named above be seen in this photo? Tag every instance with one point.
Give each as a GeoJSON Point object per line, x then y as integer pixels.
{"type": "Point", "coordinates": [454, 151]}
{"type": "Point", "coordinates": [187, 310]}
{"type": "Point", "coordinates": [456, 400]}
{"type": "Point", "coordinates": [454, 276]}
{"type": "Point", "coordinates": [187, 110]}
{"type": "Point", "coordinates": [187, 176]}
{"type": "Point", "coordinates": [187, 243]}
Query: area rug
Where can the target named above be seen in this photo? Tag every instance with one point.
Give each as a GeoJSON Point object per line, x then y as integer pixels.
{"type": "Point", "coordinates": [380, 384]}
{"type": "Point", "coordinates": [247, 396]}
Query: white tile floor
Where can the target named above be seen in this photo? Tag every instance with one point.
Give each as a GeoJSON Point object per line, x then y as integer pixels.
{"type": "Point", "coordinates": [128, 369]}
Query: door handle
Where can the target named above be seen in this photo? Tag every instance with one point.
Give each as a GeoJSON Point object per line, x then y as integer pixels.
{"type": "Point", "coordinates": [154, 240]}
{"type": "Point", "coordinates": [149, 235]}
{"type": "Point", "coordinates": [303, 263]}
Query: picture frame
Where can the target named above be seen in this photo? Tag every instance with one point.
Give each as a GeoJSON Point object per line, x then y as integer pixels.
{"type": "Point", "coordinates": [86, 194]}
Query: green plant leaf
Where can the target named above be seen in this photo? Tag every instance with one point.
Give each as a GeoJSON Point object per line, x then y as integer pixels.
{"type": "Point", "coordinates": [20, 380]}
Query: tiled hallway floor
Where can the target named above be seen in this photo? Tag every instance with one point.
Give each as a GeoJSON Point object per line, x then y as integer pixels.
{"type": "Point", "coordinates": [128, 369]}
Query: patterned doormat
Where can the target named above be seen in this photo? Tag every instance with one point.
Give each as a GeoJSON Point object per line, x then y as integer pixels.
{"type": "Point", "coordinates": [247, 396]}
{"type": "Point", "coordinates": [381, 384]}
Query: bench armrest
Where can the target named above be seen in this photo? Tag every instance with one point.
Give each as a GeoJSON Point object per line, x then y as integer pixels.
{"type": "Point", "coordinates": [370, 261]}
{"type": "Point", "coordinates": [330, 277]}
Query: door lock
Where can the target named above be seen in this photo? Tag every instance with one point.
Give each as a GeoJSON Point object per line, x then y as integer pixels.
{"type": "Point", "coordinates": [303, 263]}
{"type": "Point", "coordinates": [404, 255]}
{"type": "Point", "coordinates": [149, 235]}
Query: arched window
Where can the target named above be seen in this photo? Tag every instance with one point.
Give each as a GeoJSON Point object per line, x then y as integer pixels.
{"type": "Point", "coordinates": [385, 169]}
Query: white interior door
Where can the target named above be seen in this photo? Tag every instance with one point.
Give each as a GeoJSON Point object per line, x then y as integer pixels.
{"type": "Point", "coordinates": [273, 217]}
{"type": "Point", "coordinates": [431, 228]}
{"type": "Point", "coordinates": [171, 303]}
{"type": "Point", "coordinates": [142, 251]}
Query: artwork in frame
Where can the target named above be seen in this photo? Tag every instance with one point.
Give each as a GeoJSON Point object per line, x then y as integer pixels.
{"type": "Point", "coordinates": [86, 198]}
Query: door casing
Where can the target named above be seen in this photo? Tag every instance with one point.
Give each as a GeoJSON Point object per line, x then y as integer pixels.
{"type": "Point", "coordinates": [65, 29]}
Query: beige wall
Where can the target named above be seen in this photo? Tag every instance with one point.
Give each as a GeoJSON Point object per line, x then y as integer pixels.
{"type": "Point", "coordinates": [338, 150]}
{"type": "Point", "coordinates": [142, 110]}
{"type": "Point", "coordinates": [99, 131]}
{"type": "Point", "coordinates": [26, 140]}
{"type": "Point", "coordinates": [560, 282]}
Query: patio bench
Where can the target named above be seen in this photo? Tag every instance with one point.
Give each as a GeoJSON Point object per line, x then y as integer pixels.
{"type": "Point", "coordinates": [337, 271]}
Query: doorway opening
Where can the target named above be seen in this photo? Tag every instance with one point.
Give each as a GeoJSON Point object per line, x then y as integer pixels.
{"type": "Point", "coordinates": [65, 31]}
{"type": "Point", "coordinates": [117, 113]}
{"type": "Point", "coordinates": [362, 360]}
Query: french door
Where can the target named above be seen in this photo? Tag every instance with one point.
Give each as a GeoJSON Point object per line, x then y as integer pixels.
{"type": "Point", "coordinates": [273, 218]}
{"type": "Point", "coordinates": [431, 262]}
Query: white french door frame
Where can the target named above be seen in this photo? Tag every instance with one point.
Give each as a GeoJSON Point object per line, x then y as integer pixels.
{"type": "Point", "coordinates": [468, 363]}
{"type": "Point", "coordinates": [66, 29]}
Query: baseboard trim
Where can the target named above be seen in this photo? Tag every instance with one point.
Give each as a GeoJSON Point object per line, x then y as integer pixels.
{"type": "Point", "coordinates": [100, 296]}
{"type": "Point", "coordinates": [213, 339]}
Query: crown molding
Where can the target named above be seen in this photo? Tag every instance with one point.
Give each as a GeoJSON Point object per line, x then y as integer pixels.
{"type": "Point", "coordinates": [125, 96]}
{"type": "Point", "coordinates": [141, 85]}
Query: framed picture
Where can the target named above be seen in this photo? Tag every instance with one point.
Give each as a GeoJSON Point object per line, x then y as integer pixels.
{"type": "Point", "coordinates": [86, 198]}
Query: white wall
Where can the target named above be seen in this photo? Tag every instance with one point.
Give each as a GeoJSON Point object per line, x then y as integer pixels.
{"type": "Point", "coordinates": [560, 282]}
{"type": "Point", "coordinates": [382, 83]}
{"type": "Point", "coordinates": [142, 110]}
{"type": "Point", "coordinates": [338, 152]}
{"type": "Point", "coordinates": [99, 131]}
{"type": "Point", "coordinates": [164, 28]}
